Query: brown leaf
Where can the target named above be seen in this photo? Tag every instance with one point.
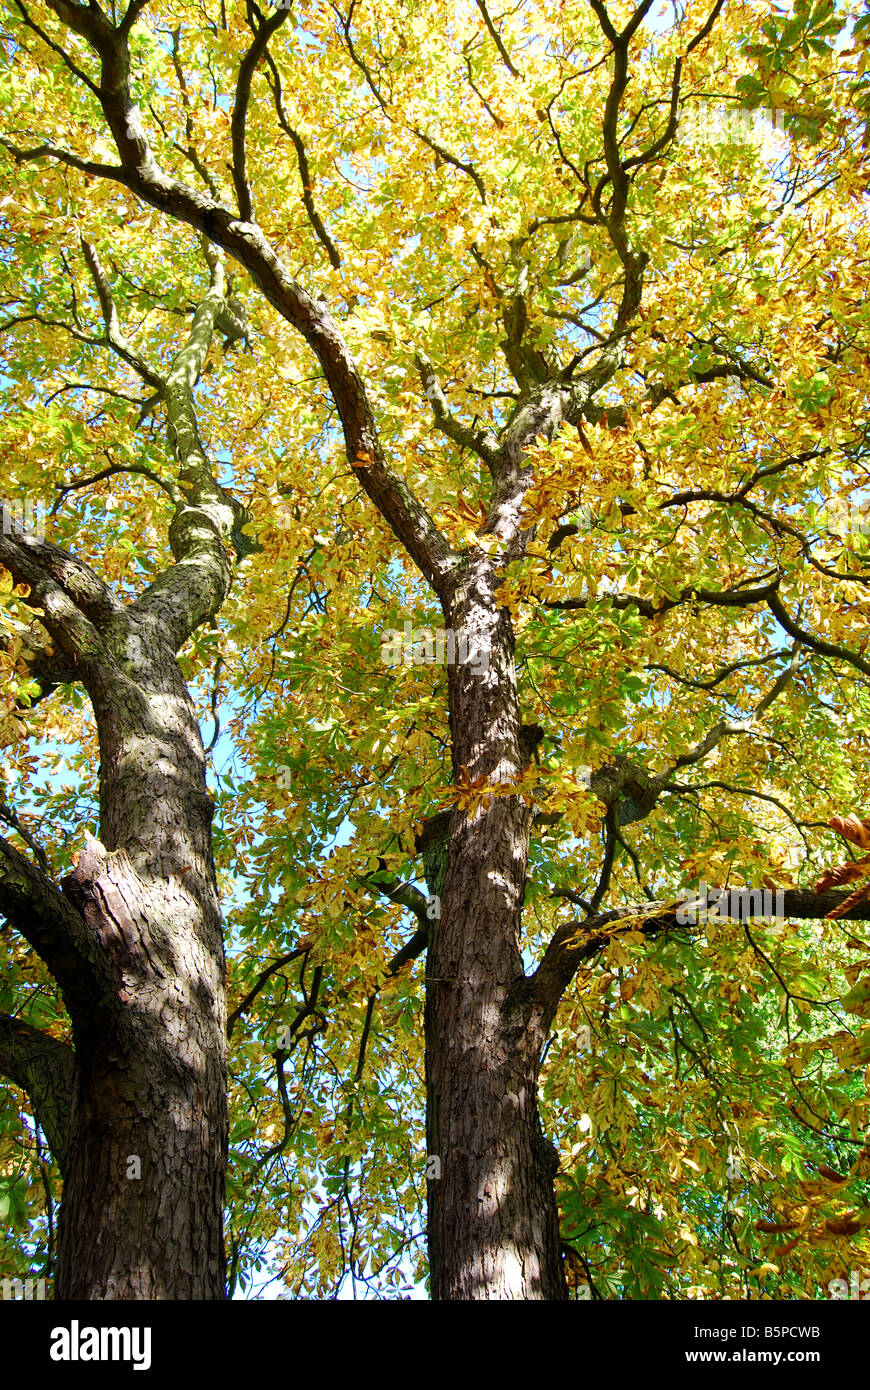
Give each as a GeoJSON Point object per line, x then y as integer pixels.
{"type": "Point", "coordinates": [844, 1226]}
{"type": "Point", "coordinates": [781, 1250]}
{"type": "Point", "coordinates": [842, 873]}
{"type": "Point", "coordinates": [584, 441]}
{"type": "Point", "coordinates": [829, 1173]}
{"type": "Point", "coordinates": [851, 828]}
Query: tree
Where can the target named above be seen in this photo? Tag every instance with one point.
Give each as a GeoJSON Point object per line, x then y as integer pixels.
{"type": "Point", "coordinates": [585, 301]}
{"type": "Point", "coordinates": [133, 940]}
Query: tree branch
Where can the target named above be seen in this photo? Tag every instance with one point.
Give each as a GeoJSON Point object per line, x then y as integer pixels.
{"type": "Point", "coordinates": [728, 728]}
{"type": "Point", "coordinates": [304, 170]}
{"type": "Point", "coordinates": [72, 600]}
{"type": "Point", "coordinates": [480, 442]}
{"type": "Point", "coordinates": [496, 38]}
{"type": "Point", "coordinates": [244, 240]}
{"type": "Point", "coordinates": [193, 589]}
{"type": "Point", "coordinates": [262, 979]}
{"type": "Point", "coordinates": [572, 944]}
{"type": "Point", "coordinates": [114, 337]}
{"type": "Point", "coordinates": [55, 929]}
{"type": "Point", "coordinates": [247, 67]}
{"type": "Point", "coordinates": [806, 639]}
{"type": "Point", "coordinates": [45, 1070]}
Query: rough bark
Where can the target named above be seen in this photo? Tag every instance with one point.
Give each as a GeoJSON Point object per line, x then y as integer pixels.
{"type": "Point", "coordinates": [143, 1196]}
{"type": "Point", "coordinates": [139, 1127]}
{"type": "Point", "coordinates": [493, 1223]}
{"type": "Point", "coordinates": [135, 942]}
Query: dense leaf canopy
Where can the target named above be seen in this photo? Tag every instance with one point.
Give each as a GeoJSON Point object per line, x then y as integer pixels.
{"type": "Point", "coordinates": [487, 202]}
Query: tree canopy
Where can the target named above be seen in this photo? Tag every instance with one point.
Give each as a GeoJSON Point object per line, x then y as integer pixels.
{"type": "Point", "coordinates": [576, 292]}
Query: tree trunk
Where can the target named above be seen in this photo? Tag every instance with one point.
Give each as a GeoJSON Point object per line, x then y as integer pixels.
{"type": "Point", "coordinates": [134, 940]}
{"type": "Point", "coordinates": [142, 1208]}
{"type": "Point", "coordinates": [493, 1222]}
